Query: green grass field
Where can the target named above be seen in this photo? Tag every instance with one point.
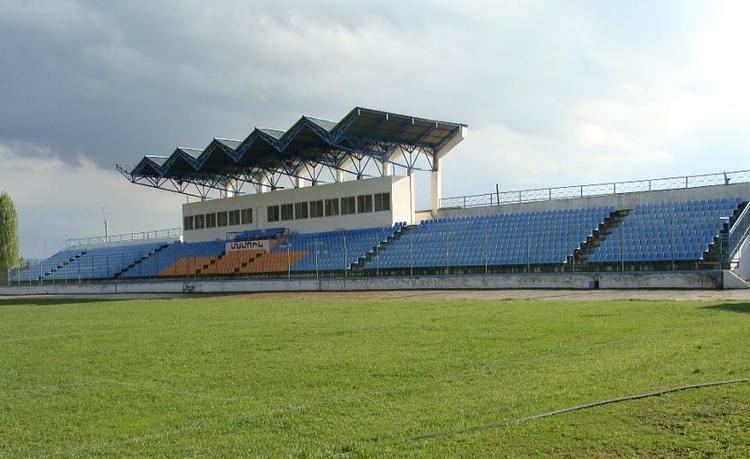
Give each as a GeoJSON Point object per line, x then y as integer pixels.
{"type": "Point", "coordinates": [320, 377]}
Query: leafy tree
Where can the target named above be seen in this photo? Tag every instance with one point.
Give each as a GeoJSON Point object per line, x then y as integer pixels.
{"type": "Point", "coordinates": [8, 232]}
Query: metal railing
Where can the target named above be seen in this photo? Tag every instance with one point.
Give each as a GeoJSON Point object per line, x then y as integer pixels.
{"type": "Point", "coordinates": [737, 234]}
{"type": "Point", "coordinates": [595, 189]}
{"type": "Point", "coordinates": [168, 233]}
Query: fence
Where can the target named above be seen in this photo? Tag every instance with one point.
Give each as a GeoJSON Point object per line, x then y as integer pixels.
{"type": "Point", "coordinates": [162, 234]}
{"type": "Point", "coordinates": [597, 189]}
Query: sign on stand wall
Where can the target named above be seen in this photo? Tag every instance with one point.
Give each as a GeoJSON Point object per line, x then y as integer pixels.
{"type": "Point", "coordinates": [234, 246]}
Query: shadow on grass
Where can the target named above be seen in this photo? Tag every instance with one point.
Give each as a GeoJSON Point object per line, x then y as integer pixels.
{"type": "Point", "coordinates": [731, 307]}
{"type": "Point", "coordinates": [51, 301]}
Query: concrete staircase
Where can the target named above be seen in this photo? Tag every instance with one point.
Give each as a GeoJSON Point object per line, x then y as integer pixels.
{"type": "Point", "coordinates": [717, 249]}
{"type": "Point", "coordinates": [376, 250]}
{"type": "Point", "coordinates": [132, 265]}
{"type": "Point", "coordinates": [65, 263]}
{"type": "Point", "coordinates": [599, 235]}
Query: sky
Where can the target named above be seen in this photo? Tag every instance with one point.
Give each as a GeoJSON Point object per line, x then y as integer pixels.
{"type": "Point", "coordinates": [554, 92]}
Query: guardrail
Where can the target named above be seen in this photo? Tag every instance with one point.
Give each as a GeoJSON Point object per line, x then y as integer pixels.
{"type": "Point", "coordinates": [595, 189]}
{"type": "Point", "coordinates": [737, 233]}
{"type": "Point", "coordinates": [124, 238]}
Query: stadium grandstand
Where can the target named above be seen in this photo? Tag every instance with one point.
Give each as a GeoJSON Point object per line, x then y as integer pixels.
{"type": "Point", "coordinates": [328, 199]}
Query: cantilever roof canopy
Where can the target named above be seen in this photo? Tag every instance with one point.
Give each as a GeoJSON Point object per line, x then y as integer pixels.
{"type": "Point", "coordinates": [363, 137]}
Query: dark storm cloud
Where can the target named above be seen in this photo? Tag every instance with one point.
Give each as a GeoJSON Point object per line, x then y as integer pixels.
{"type": "Point", "coordinates": [114, 80]}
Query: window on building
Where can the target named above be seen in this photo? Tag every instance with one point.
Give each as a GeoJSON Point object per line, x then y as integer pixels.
{"type": "Point", "coordinates": [247, 216]}
{"type": "Point", "coordinates": [316, 209]}
{"type": "Point", "coordinates": [221, 219]}
{"type": "Point", "coordinates": [273, 213]}
{"type": "Point", "coordinates": [234, 217]}
{"type": "Point", "coordinates": [332, 207]}
{"type": "Point", "coordinates": [364, 203]}
{"type": "Point", "coordinates": [300, 210]}
{"type": "Point", "coordinates": [287, 211]}
{"type": "Point", "coordinates": [210, 220]}
{"type": "Point", "coordinates": [188, 223]}
{"type": "Point", "coordinates": [200, 222]}
{"type": "Point", "coordinates": [347, 205]}
{"type": "Point", "coordinates": [382, 202]}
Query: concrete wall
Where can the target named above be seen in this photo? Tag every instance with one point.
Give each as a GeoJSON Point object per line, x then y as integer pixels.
{"type": "Point", "coordinates": [641, 280]}
{"type": "Point", "coordinates": [402, 200]}
{"type": "Point", "coordinates": [398, 186]}
{"type": "Point", "coordinates": [742, 269]}
{"type": "Point", "coordinates": [618, 201]}
{"type": "Point", "coordinates": [422, 215]}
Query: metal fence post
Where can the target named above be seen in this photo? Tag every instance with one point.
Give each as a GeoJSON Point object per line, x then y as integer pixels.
{"type": "Point", "coordinates": [528, 249]}
{"type": "Point", "coordinates": [486, 248]}
{"type": "Point", "coordinates": [377, 260]}
{"type": "Point", "coordinates": [346, 259]}
{"type": "Point", "coordinates": [316, 244]}
{"type": "Point", "coordinates": [447, 263]}
{"type": "Point", "coordinates": [411, 256]}
{"type": "Point", "coordinates": [41, 265]}
{"type": "Point", "coordinates": [671, 240]}
{"type": "Point", "coordinates": [622, 247]}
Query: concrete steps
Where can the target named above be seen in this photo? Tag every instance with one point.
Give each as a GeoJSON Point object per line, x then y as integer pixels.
{"type": "Point", "coordinates": [372, 254]}
{"type": "Point", "coordinates": [63, 264]}
{"type": "Point", "coordinates": [714, 254]}
{"type": "Point", "coordinates": [139, 261]}
{"type": "Point", "coordinates": [599, 235]}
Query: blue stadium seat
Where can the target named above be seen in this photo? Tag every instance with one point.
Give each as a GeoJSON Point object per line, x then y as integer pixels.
{"type": "Point", "coordinates": [665, 231]}
{"type": "Point", "coordinates": [545, 237]}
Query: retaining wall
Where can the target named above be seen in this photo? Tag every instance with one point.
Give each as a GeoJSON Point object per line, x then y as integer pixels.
{"type": "Point", "coordinates": [657, 280]}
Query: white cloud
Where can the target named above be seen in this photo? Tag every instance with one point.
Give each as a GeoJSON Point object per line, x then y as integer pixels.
{"type": "Point", "coordinates": [57, 200]}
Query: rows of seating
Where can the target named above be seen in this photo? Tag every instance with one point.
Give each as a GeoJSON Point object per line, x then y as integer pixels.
{"type": "Point", "coordinates": [256, 234]}
{"type": "Point", "coordinates": [105, 262]}
{"type": "Point", "coordinates": [506, 239]}
{"type": "Point", "coordinates": [681, 231]}
{"type": "Point", "coordinates": [270, 262]}
{"type": "Point", "coordinates": [92, 263]}
{"type": "Point", "coordinates": [177, 259]}
{"type": "Point", "coordinates": [46, 267]}
{"type": "Point", "coordinates": [665, 232]}
{"type": "Point", "coordinates": [335, 250]}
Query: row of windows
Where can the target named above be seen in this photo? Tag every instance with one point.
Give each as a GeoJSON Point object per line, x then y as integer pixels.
{"type": "Point", "coordinates": [219, 219]}
{"type": "Point", "coordinates": [298, 211]}
{"type": "Point", "coordinates": [330, 207]}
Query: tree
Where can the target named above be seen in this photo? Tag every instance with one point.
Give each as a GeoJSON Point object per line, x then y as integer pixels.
{"type": "Point", "coordinates": [8, 232]}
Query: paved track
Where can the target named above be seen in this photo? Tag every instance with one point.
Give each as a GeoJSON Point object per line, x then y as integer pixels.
{"type": "Point", "coordinates": [406, 295]}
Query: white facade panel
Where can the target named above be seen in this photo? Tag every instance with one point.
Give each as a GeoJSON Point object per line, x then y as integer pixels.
{"type": "Point", "coordinates": [401, 208]}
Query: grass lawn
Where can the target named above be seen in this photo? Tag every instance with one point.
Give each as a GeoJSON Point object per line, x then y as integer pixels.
{"type": "Point", "coordinates": [244, 376]}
